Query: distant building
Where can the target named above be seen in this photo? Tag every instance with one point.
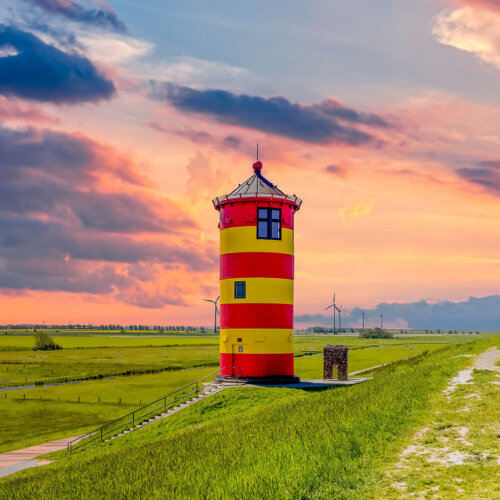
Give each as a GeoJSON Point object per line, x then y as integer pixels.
{"type": "Point", "coordinates": [256, 279]}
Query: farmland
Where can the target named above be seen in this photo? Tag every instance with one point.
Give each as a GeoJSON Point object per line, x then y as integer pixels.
{"type": "Point", "coordinates": [131, 371]}
{"type": "Point", "coordinates": [155, 366]}
{"type": "Point", "coordinates": [276, 442]}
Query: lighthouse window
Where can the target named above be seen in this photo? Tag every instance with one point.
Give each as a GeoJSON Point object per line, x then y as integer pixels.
{"type": "Point", "coordinates": [269, 223]}
{"type": "Point", "coordinates": [240, 289]}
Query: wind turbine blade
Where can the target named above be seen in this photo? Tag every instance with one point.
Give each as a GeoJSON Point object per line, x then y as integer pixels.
{"type": "Point", "coordinates": [208, 300]}
{"type": "Point", "coordinates": [216, 309]}
{"type": "Point", "coordinates": [334, 297]}
{"type": "Point", "coordinates": [217, 298]}
{"type": "Point", "coordinates": [328, 307]}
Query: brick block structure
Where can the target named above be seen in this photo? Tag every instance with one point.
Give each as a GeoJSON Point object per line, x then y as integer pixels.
{"type": "Point", "coordinates": [335, 356]}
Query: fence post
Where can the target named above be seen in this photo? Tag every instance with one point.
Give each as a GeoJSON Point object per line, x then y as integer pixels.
{"type": "Point", "coordinates": [133, 419]}
{"type": "Point", "coordinates": [165, 403]}
{"type": "Point", "coordinates": [101, 434]}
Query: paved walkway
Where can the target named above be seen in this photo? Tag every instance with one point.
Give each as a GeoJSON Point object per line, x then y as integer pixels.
{"type": "Point", "coordinates": [488, 360]}
{"type": "Point", "coordinates": [17, 460]}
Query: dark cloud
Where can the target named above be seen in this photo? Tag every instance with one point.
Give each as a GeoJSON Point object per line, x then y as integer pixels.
{"type": "Point", "coordinates": [101, 16]}
{"type": "Point", "coordinates": [326, 122]}
{"type": "Point", "coordinates": [63, 229]}
{"type": "Point", "coordinates": [336, 170]}
{"type": "Point", "coordinates": [63, 157]}
{"type": "Point", "coordinates": [40, 72]}
{"type": "Point", "coordinates": [486, 174]}
{"type": "Point", "coordinates": [473, 314]}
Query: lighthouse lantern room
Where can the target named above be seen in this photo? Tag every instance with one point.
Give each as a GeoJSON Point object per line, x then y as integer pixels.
{"type": "Point", "coordinates": [256, 280]}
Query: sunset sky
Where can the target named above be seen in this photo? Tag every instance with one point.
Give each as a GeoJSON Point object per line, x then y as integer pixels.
{"type": "Point", "coordinates": [120, 121]}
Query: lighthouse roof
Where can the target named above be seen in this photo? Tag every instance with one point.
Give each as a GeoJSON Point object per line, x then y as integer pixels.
{"type": "Point", "coordinates": [257, 186]}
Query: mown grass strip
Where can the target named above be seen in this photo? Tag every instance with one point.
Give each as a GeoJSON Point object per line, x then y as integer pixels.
{"type": "Point", "coordinates": [332, 444]}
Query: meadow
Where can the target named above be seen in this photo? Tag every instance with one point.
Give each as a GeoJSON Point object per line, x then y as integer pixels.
{"type": "Point", "coordinates": [76, 408]}
{"type": "Point", "coordinates": [263, 443]}
{"type": "Point", "coordinates": [92, 356]}
{"type": "Point", "coordinates": [18, 368]}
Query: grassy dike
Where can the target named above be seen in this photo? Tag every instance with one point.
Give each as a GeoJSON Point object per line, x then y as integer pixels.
{"type": "Point", "coordinates": [332, 444]}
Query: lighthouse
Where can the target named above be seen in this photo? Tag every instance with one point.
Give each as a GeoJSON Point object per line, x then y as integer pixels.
{"type": "Point", "coordinates": [256, 280]}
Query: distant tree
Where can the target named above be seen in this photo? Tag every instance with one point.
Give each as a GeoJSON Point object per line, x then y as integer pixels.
{"type": "Point", "coordinates": [376, 333]}
{"type": "Point", "coordinates": [44, 342]}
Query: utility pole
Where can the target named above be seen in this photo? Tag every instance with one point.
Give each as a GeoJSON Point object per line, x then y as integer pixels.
{"type": "Point", "coordinates": [381, 321]}
{"type": "Point", "coordinates": [363, 314]}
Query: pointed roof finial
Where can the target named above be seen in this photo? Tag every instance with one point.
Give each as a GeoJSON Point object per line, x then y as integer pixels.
{"type": "Point", "coordinates": [257, 166]}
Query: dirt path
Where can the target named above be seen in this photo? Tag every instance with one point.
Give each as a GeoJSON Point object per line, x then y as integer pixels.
{"type": "Point", "coordinates": [17, 460]}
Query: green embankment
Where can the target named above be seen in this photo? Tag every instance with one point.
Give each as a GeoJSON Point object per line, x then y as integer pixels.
{"type": "Point", "coordinates": [331, 444]}
{"type": "Point", "coordinates": [454, 453]}
{"type": "Point", "coordinates": [78, 408]}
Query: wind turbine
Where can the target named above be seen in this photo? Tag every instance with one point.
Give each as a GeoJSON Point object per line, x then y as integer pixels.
{"type": "Point", "coordinates": [334, 310]}
{"type": "Point", "coordinates": [214, 302]}
{"type": "Point", "coordinates": [381, 321]}
{"type": "Point", "coordinates": [363, 314]}
{"type": "Point", "coordinates": [339, 310]}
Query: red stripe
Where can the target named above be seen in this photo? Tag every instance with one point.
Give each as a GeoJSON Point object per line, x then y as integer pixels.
{"type": "Point", "coordinates": [256, 265]}
{"type": "Point", "coordinates": [256, 316]}
{"type": "Point", "coordinates": [256, 365]}
{"type": "Point", "coordinates": [245, 213]}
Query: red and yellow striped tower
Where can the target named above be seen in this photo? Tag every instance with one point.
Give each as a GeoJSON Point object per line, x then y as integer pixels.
{"type": "Point", "coordinates": [256, 280]}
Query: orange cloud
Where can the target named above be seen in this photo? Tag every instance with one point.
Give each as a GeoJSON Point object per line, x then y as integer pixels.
{"type": "Point", "coordinates": [472, 30]}
{"type": "Point", "coordinates": [349, 213]}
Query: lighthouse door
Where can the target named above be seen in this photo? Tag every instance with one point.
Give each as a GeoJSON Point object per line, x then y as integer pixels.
{"type": "Point", "coordinates": [238, 349]}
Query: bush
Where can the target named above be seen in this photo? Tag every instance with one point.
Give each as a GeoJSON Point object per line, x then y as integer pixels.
{"type": "Point", "coordinates": [44, 342]}
{"type": "Point", "coordinates": [376, 333]}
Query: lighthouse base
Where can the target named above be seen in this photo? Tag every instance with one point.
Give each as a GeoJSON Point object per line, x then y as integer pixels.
{"type": "Point", "coordinates": [271, 380]}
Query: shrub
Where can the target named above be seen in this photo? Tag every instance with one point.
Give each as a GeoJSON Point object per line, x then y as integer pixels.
{"type": "Point", "coordinates": [376, 333]}
{"type": "Point", "coordinates": [44, 342]}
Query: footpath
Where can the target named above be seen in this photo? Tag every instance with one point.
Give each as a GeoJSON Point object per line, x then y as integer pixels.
{"type": "Point", "coordinates": [17, 460]}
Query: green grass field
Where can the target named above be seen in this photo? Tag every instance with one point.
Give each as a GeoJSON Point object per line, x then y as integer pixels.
{"type": "Point", "coordinates": [28, 367]}
{"type": "Point", "coordinates": [97, 401]}
{"type": "Point", "coordinates": [311, 367]}
{"type": "Point", "coordinates": [50, 413]}
{"type": "Point", "coordinates": [86, 357]}
{"type": "Point", "coordinates": [262, 443]}
{"type": "Point", "coordinates": [25, 342]}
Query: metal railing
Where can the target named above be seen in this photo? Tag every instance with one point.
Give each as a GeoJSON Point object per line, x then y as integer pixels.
{"type": "Point", "coordinates": [133, 419]}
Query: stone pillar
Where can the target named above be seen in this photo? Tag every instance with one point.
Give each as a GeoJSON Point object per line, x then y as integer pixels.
{"type": "Point", "coordinates": [335, 356]}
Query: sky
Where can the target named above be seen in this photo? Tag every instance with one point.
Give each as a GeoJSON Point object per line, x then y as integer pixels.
{"type": "Point", "coordinates": [121, 120]}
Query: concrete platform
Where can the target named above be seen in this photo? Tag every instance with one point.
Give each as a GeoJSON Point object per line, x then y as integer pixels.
{"type": "Point", "coordinates": [313, 384]}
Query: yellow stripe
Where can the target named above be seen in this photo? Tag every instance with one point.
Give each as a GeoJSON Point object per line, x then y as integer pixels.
{"type": "Point", "coordinates": [244, 239]}
{"type": "Point", "coordinates": [257, 341]}
{"type": "Point", "coordinates": [258, 291]}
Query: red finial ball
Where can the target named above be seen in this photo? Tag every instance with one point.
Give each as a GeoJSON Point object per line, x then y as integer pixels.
{"type": "Point", "coordinates": [257, 166]}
